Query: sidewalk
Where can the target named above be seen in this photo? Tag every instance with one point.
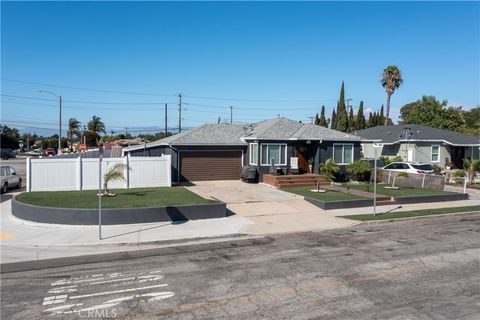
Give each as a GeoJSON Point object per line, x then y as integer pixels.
{"type": "Point", "coordinates": [27, 241]}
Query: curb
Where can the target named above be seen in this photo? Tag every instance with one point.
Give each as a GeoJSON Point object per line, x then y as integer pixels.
{"type": "Point", "coordinates": [418, 217]}
{"type": "Point", "coordinates": [168, 249]}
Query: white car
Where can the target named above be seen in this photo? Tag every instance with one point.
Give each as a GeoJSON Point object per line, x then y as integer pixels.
{"type": "Point", "coordinates": [410, 167]}
{"type": "Point", "coordinates": [9, 179]}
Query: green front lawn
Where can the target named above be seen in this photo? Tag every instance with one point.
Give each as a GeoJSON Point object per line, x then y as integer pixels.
{"type": "Point", "coordinates": [415, 213]}
{"type": "Point", "coordinates": [401, 192]}
{"type": "Point", "coordinates": [325, 196]}
{"type": "Point", "coordinates": [126, 198]}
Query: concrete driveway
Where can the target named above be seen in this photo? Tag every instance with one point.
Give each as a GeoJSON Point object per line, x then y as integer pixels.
{"type": "Point", "coordinates": [271, 210]}
{"type": "Point", "coordinates": [239, 192]}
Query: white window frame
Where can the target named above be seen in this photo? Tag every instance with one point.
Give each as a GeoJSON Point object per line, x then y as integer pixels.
{"type": "Point", "coordinates": [438, 154]}
{"type": "Point", "coordinates": [343, 153]}
{"type": "Point", "coordinates": [283, 145]}
{"type": "Point", "coordinates": [251, 146]}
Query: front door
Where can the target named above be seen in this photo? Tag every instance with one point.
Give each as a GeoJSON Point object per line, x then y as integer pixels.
{"type": "Point", "coordinates": [301, 152]}
{"type": "Point", "coordinates": [458, 154]}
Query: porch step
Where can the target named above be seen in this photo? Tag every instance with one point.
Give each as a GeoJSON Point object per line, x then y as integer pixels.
{"type": "Point", "coordinates": [293, 180]}
{"type": "Point", "coordinates": [300, 183]}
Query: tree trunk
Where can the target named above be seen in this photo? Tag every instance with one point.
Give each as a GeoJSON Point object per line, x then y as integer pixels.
{"type": "Point", "coordinates": [387, 115]}
{"type": "Point", "coordinates": [105, 188]}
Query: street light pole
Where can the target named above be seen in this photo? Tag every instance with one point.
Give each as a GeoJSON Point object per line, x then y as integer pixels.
{"type": "Point", "coordinates": [59, 117]}
{"type": "Point", "coordinates": [375, 147]}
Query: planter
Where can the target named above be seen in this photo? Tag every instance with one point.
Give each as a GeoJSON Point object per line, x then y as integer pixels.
{"type": "Point", "coordinates": [73, 216]}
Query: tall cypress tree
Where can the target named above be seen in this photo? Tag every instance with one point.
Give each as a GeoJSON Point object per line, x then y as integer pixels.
{"type": "Point", "coordinates": [317, 120]}
{"type": "Point", "coordinates": [360, 119]}
{"type": "Point", "coordinates": [334, 120]}
{"type": "Point", "coordinates": [323, 121]}
{"type": "Point", "coordinates": [342, 115]}
{"type": "Point", "coordinates": [381, 117]}
{"type": "Point", "coordinates": [351, 121]}
{"type": "Point", "coordinates": [370, 121]}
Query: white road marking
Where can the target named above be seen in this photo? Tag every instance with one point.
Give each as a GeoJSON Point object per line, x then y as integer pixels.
{"type": "Point", "coordinates": [64, 289]}
{"type": "Point", "coordinates": [84, 279]}
{"type": "Point", "coordinates": [55, 299]}
{"type": "Point", "coordinates": [117, 291]}
{"type": "Point", "coordinates": [70, 285]}
{"type": "Point", "coordinates": [144, 279]}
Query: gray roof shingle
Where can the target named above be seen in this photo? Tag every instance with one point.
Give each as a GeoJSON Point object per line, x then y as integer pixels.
{"type": "Point", "coordinates": [396, 133]}
{"type": "Point", "coordinates": [234, 134]}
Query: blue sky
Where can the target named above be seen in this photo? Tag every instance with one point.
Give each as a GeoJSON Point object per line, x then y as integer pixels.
{"type": "Point", "coordinates": [263, 59]}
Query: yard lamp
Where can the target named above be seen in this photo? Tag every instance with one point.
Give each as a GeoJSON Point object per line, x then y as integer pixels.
{"type": "Point", "coordinates": [59, 117]}
{"type": "Point", "coordinates": [375, 147]}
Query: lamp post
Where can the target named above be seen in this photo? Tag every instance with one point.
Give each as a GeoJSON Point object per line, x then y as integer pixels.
{"type": "Point", "coordinates": [375, 147]}
{"type": "Point", "coordinates": [59, 118]}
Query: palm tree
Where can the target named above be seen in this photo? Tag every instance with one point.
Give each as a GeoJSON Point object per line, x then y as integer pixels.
{"type": "Point", "coordinates": [472, 167]}
{"type": "Point", "coordinates": [358, 169]}
{"type": "Point", "coordinates": [96, 125]}
{"type": "Point", "coordinates": [328, 169]}
{"type": "Point", "coordinates": [113, 174]}
{"type": "Point", "coordinates": [73, 129]}
{"type": "Point", "coordinates": [391, 80]}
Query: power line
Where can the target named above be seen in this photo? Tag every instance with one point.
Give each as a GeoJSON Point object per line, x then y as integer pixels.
{"type": "Point", "coordinates": [85, 102]}
{"type": "Point", "coordinates": [89, 89]}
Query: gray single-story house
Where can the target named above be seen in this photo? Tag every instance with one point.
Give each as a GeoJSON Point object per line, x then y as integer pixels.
{"type": "Point", "coordinates": [218, 151]}
{"type": "Point", "coordinates": [418, 143]}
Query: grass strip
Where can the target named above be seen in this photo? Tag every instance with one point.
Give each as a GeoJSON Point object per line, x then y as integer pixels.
{"type": "Point", "coordinates": [414, 213]}
{"type": "Point", "coordinates": [126, 198]}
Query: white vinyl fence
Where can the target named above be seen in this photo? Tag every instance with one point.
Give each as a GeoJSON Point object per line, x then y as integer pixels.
{"type": "Point", "coordinates": [83, 174]}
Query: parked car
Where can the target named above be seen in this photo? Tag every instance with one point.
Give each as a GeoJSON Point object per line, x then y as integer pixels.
{"type": "Point", "coordinates": [410, 167]}
{"type": "Point", "coordinates": [7, 153]}
{"type": "Point", "coordinates": [49, 152]}
{"type": "Point", "coordinates": [9, 179]}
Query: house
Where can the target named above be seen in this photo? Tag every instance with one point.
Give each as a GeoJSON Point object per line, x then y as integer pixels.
{"type": "Point", "coordinates": [218, 151]}
{"type": "Point", "coordinates": [420, 144]}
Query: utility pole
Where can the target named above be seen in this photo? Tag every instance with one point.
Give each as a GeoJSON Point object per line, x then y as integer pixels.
{"type": "Point", "coordinates": [348, 104]}
{"type": "Point", "coordinates": [126, 132]}
{"type": "Point", "coordinates": [60, 125]}
{"type": "Point", "coordinates": [179, 112]}
{"type": "Point", "coordinates": [311, 119]}
{"type": "Point", "coordinates": [231, 114]}
{"type": "Point", "coordinates": [166, 130]}
{"type": "Point", "coordinates": [84, 135]}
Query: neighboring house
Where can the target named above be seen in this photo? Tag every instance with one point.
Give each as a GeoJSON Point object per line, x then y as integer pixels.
{"type": "Point", "coordinates": [218, 151]}
{"type": "Point", "coordinates": [420, 144]}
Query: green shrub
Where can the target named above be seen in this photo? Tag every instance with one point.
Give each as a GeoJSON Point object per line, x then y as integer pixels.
{"type": "Point", "coordinates": [359, 169]}
{"type": "Point", "coordinates": [458, 173]}
{"type": "Point", "coordinates": [328, 169]}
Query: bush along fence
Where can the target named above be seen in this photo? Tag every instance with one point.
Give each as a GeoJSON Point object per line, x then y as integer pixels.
{"type": "Point", "coordinates": [55, 174]}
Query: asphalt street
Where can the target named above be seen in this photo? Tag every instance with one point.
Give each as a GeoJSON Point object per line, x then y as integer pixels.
{"type": "Point", "coordinates": [411, 269]}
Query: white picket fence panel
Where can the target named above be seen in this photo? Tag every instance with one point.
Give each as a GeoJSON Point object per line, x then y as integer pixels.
{"type": "Point", "coordinates": [83, 174]}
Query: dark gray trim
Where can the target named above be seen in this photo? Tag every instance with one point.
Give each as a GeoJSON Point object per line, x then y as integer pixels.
{"type": "Point", "coordinates": [341, 204]}
{"type": "Point", "coordinates": [117, 216]}
{"type": "Point", "coordinates": [432, 198]}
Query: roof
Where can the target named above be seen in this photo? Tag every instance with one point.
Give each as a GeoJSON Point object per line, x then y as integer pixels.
{"type": "Point", "coordinates": [235, 134]}
{"type": "Point", "coordinates": [396, 134]}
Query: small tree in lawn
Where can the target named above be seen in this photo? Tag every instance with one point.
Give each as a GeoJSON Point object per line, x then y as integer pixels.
{"type": "Point", "coordinates": [471, 167]}
{"type": "Point", "coordinates": [328, 169]}
{"type": "Point", "coordinates": [113, 174]}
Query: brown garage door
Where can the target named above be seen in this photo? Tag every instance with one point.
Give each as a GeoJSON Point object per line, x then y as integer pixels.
{"type": "Point", "coordinates": [210, 165]}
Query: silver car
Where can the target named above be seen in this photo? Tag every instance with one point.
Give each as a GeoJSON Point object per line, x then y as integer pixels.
{"type": "Point", "coordinates": [410, 167]}
{"type": "Point", "coordinates": [9, 179]}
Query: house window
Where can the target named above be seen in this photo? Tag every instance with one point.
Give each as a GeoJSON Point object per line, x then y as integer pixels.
{"type": "Point", "coordinates": [476, 153]}
{"type": "Point", "coordinates": [276, 153]}
{"type": "Point", "coordinates": [435, 153]}
{"type": "Point", "coordinates": [343, 153]}
{"type": "Point", "coordinates": [253, 153]}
